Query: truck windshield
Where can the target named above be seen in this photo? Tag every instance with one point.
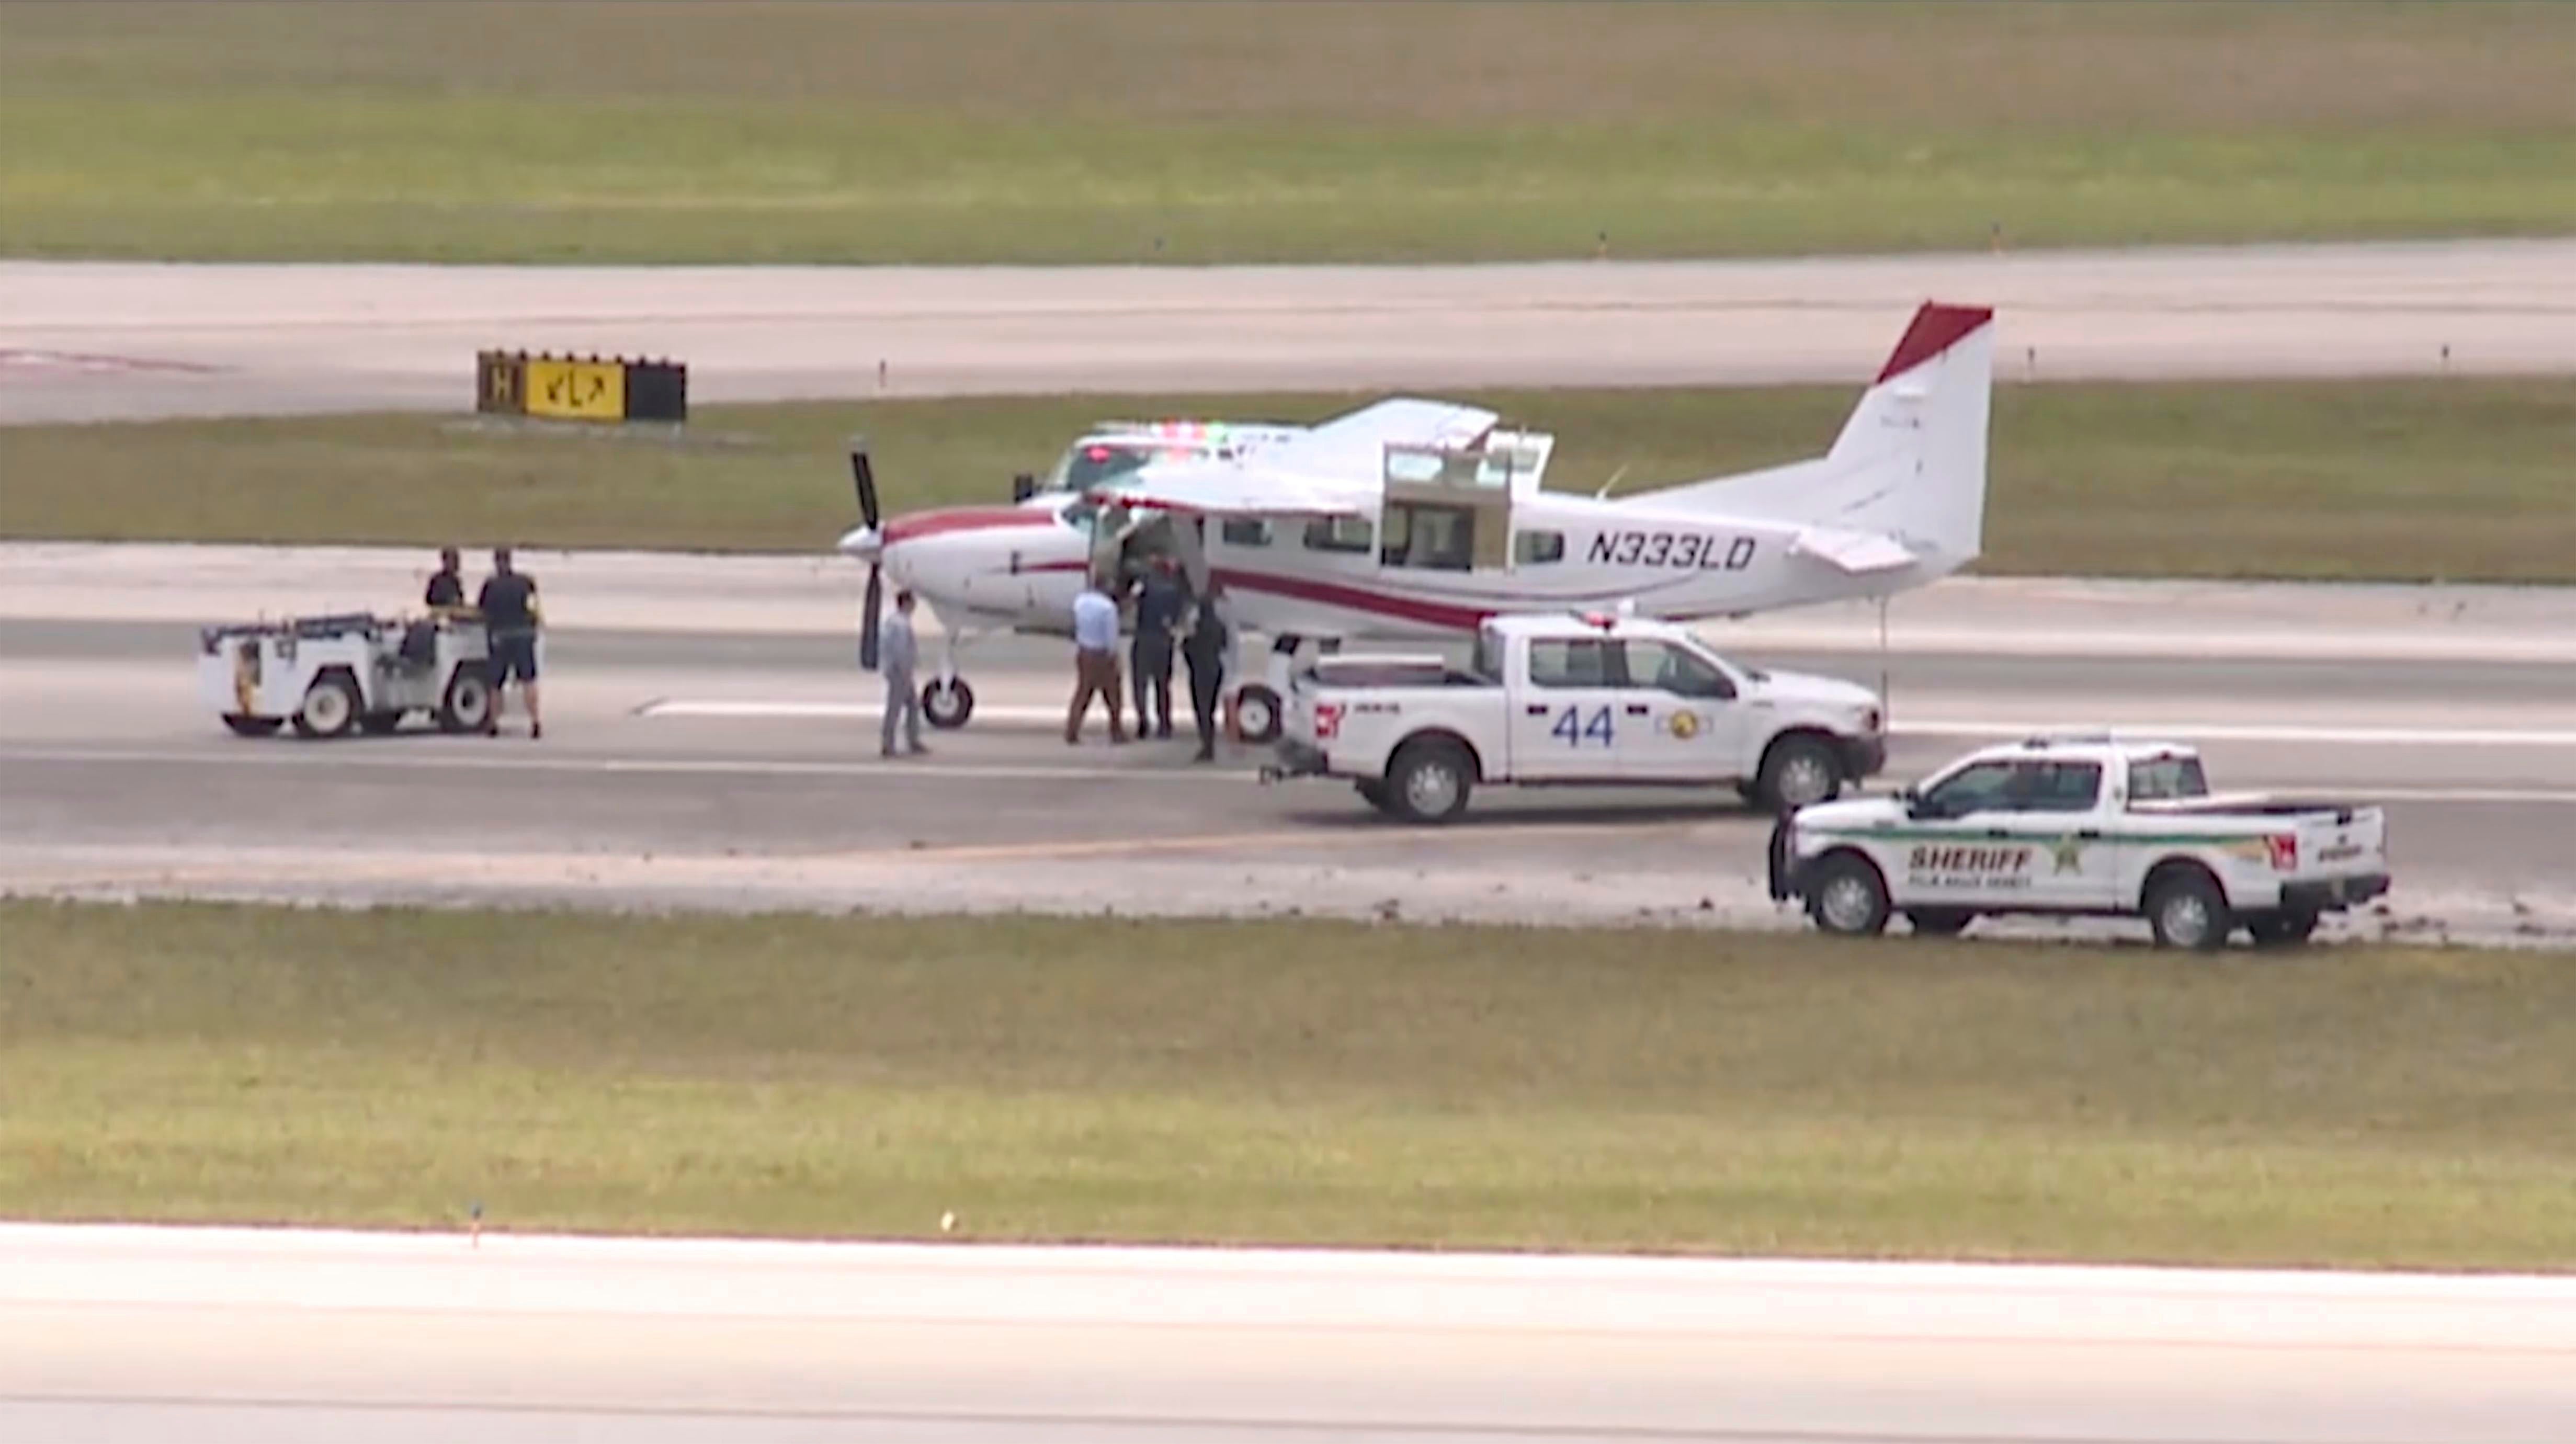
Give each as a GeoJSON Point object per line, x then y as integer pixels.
{"type": "Point", "coordinates": [2163, 779]}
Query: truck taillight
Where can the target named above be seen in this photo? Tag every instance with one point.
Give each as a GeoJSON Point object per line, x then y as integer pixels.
{"type": "Point", "coordinates": [2285, 851]}
{"type": "Point", "coordinates": [1328, 720]}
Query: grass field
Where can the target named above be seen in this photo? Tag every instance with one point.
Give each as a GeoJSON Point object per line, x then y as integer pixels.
{"type": "Point", "coordinates": [2451, 479]}
{"type": "Point", "coordinates": [735, 131]}
{"type": "Point", "coordinates": [1286, 1082]}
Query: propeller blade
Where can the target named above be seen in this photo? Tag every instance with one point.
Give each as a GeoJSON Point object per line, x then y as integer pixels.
{"type": "Point", "coordinates": [869, 612]}
{"type": "Point", "coordinates": [864, 477]}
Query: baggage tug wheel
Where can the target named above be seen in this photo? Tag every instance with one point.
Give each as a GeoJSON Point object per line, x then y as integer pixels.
{"type": "Point", "coordinates": [330, 707]}
{"type": "Point", "coordinates": [467, 707]}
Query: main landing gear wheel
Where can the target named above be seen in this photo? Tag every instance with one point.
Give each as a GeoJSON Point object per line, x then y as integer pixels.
{"type": "Point", "coordinates": [467, 707]}
{"type": "Point", "coordinates": [947, 704]}
{"type": "Point", "coordinates": [1257, 714]}
{"type": "Point", "coordinates": [330, 707]}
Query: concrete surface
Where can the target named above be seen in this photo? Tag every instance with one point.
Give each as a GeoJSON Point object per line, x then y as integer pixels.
{"type": "Point", "coordinates": [92, 341]}
{"type": "Point", "coordinates": [118, 1334]}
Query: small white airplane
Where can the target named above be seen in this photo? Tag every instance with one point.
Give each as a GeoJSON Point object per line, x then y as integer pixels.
{"type": "Point", "coordinates": [1415, 518]}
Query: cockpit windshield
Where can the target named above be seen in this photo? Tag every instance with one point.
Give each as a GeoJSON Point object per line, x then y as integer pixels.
{"type": "Point", "coordinates": [1087, 464]}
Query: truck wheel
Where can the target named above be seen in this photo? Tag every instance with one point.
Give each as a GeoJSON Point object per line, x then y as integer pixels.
{"type": "Point", "coordinates": [467, 707]}
{"type": "Point", "coordinates": [2282, 930]}
{"type": "Point", "coordinates": [1799, 770]}
{"type": "Point", "coordinates": [1256, 714]}
{"type": "Point", "coordinates": [947, 705]}
{"type": "Point", "coordinates": [244, 725]}
{"type": "Point", "coordinates": [330, 707]}
{"type": "Point", "coordinates": [1848, 897]}
{"type": "Point", "coordinates": [1940, 922]}
{"type": "Point", "coordinates": [1428, 782]}
{"type": "Point", "coordinates": [2187, 910]}
{"type": "Point", "coordinates": [380, 724]}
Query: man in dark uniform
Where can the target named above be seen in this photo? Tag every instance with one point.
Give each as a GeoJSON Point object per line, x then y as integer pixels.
{"type": "Point", "coordinates": [447, 584]}
{"type": "Point", "coordinates": [510, 618]}
{"type": "Point", "coordinates": [1205, 650]}
{"type": "Point", "coordinates": [1159, 604]}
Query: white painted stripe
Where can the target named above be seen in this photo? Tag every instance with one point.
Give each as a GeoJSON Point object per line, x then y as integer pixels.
{"type": "Point", "coordinates": [945, 771]}
{"type": "Point", "coordinates": [2187, 731]}
{"type": "Point", "coordinates": [1973, 728]}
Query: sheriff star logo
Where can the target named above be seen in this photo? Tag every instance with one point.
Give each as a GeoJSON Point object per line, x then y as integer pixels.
{"type": "Point", "coordinates": [2068, 853]}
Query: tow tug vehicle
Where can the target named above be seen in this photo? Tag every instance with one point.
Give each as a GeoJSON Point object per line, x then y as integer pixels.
{"type": "Point", "coordinates": [329, 676]}
{"type": "Point", "coordinates": [1588, 701]}
{"type": "Point", "coordinates": [2081, 825]}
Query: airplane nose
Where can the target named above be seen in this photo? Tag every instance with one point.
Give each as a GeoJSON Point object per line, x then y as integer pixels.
{"type": "Point", "coordinates": [862, 542]}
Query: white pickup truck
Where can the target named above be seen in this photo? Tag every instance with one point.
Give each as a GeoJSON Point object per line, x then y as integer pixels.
{"type": "Point", "coordinates": [2081, 825]}
{"type": "Point", "coordinates": [1575, 701]}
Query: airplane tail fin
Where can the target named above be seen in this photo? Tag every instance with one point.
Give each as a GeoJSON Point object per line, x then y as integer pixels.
{"type": "Point", "coordinates": [1905, 481]}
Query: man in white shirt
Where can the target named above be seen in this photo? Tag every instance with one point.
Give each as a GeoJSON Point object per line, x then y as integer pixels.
{"type": "Point", "coordinates": [897, 656]}
{"type": "Point", "coordinates": [1095, 661]}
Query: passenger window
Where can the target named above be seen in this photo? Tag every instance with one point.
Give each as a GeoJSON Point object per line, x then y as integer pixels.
{"type": "Point", "coordinates": [2165, 779]}
{"type": "Point", "coordinates": [1584, 663]}
{"type": "Point", "coordinates": [1537, 548]}
{"type": "Point", "coordinates": [1246, 531]}
{"type": "Point", "coordinates": [1439, 538]}
{"type": "Point", "coordinates": [1340, 534]}
{"type": "Point", "coordinates": [1670, 669]}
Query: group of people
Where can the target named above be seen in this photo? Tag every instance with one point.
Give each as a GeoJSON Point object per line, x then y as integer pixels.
{"type": "Point", "coordinates": [1168, 619]}
{"type": "Point", "coordinates": [508, 606]}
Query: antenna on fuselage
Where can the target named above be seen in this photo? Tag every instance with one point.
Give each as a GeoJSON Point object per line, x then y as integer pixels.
{"type": "Point", "coordinates": [1604, 493]}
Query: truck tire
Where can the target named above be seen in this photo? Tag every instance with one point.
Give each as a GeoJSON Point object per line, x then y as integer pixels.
{"type": "Point", "coordinates": [1797, 770]}
{"type": "Point", "coordinates": [947, 705]}
{"type": "Point", "coordinates": [1428, 781]}
{"type": "Point", "coordinates": [2282, 929]}
{"type": "Point", "coordinates": [1939, 922]}
{"type": "Point", "coordinates": [467, 707]}
{"type": "Point", "coordinates": [330, 707]}
{"type": "Point", "coordinates": [1847, 897]}
{"type": "Point", "coordinates": [245, 725]}
{"type": "Point", "coordinates": [1256, 714]}
{"type": "Point", "coordinates": [2186, 910]}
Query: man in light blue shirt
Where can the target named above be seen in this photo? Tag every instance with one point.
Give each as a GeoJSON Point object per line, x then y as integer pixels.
{"type": "Point", "coordinates": [897, 656]}
{"type": "Point", "coordinates": [1095, 661]}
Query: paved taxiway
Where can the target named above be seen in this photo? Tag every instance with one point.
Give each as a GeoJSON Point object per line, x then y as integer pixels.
{"type": "Point", "coordinates": [87, 341]}
{"type": "Point", "coordinates": [716, 748]}
{"type": "Point", "coordinates": [133, 1334]}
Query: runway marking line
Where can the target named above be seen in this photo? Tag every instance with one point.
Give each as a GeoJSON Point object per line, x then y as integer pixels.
{"type": "Point", "coordinates": [1933, 727]}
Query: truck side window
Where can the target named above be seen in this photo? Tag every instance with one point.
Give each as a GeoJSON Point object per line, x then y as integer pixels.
{"type": "Point", "coordinates": [1668, 668]}
{"type": "Point", "coordinates": [1976, 788]}
{"type": "Point", "coordinates": [2056, 787]}
{"type": "Point", "coordinates": [2164, 779]}
{"type": "Point", "coordinates": [1584, 663]}
{"type": "Point", "coordinates": [1245, 531]}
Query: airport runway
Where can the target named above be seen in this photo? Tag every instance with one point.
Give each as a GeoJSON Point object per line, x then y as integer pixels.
{"type": "Point", "coordinates": [110, 1335]}
{"type": "Point", "coordinates": [92, 341]}
{"type": "Point", "coordinates": [711, 744]}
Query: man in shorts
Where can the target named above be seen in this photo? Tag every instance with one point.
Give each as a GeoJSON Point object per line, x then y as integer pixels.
{"type": "Point", "coordinates": [510, 618]}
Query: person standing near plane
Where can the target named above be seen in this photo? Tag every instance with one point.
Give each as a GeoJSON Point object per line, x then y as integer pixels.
{"type": "Point", "coordinates": [446, 585]}
{"type": "Point", "coordinates": [898, 651]}
{"type": "Point", "coordinates": [1095, 660]}
{"type": "Point", "coordinates": [511, 620]}
{"type": "Point", "coordinates": [1160, 603]}
{"type": "Point", "coordinates": [1210, 642]}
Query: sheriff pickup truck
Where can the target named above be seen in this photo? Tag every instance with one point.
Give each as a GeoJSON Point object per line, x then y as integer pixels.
{"type": "Point", "coordinates": [2081, 825]}
{"type": "Point", "coordinates": [1574, 701]}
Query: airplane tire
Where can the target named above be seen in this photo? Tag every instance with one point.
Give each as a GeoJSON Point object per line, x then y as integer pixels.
{"type": "Point", "coordinates": [947, 705]}
{"type": "Point", "coordinates": [1257, 714]}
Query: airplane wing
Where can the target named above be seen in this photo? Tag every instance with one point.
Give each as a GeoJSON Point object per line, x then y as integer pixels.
{"type": "Point", "coordinates": [1853, 551]}
{"type": "Point", "coordinates": [1334, 469]}
{"type": "Point", "coordinates": [1253, 488]}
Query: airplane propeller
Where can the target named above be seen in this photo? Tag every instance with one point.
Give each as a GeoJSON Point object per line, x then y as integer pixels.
{"type": "Point", "coordinates": [863, 477]}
